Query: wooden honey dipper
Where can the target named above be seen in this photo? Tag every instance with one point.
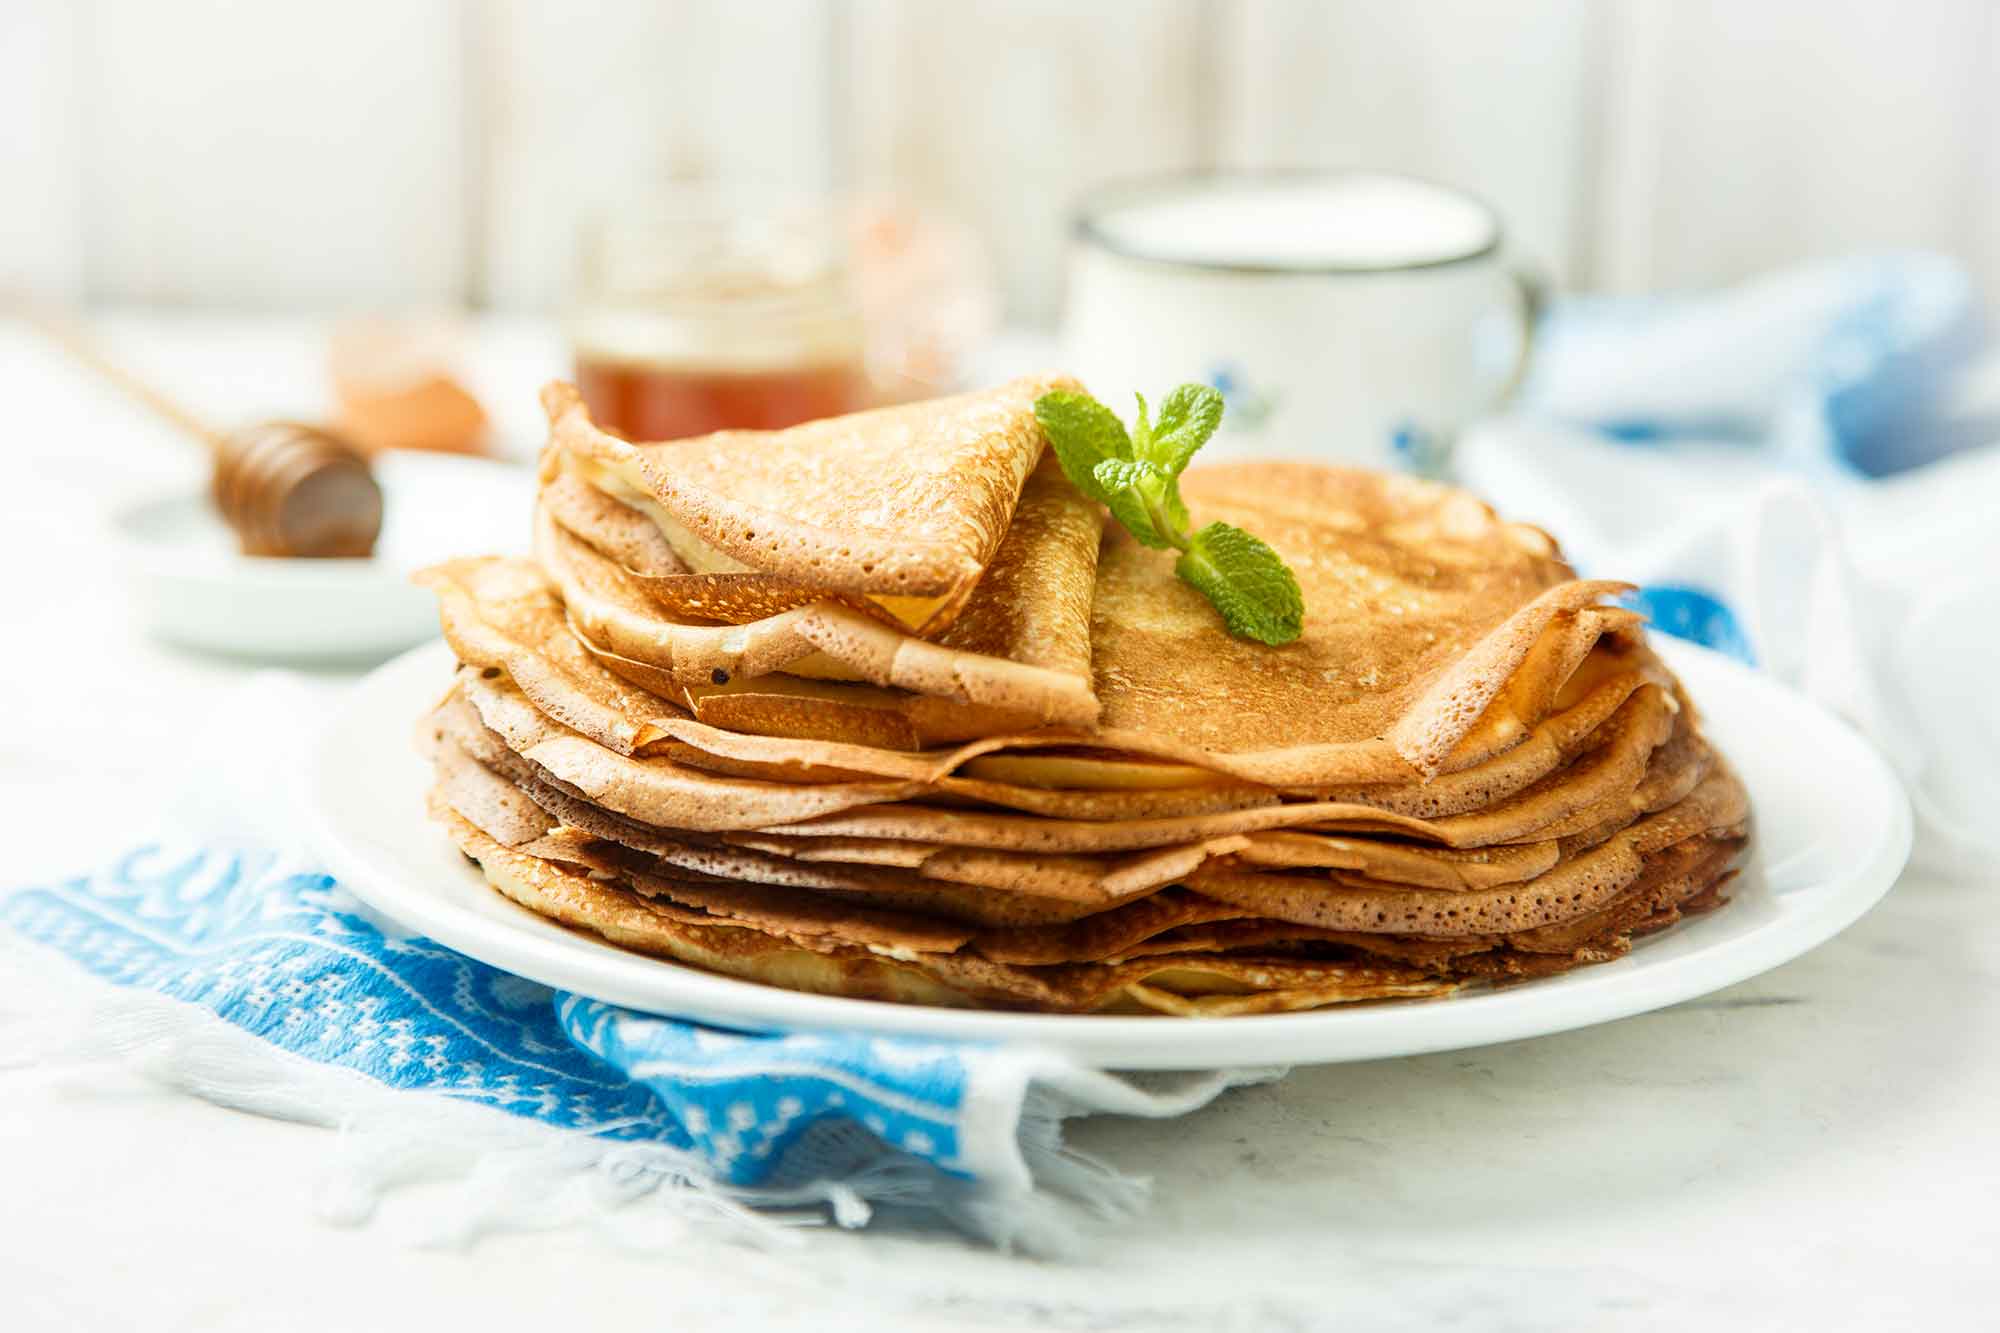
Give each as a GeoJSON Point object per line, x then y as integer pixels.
{"type": "Point", "coordinates": [286, 488]}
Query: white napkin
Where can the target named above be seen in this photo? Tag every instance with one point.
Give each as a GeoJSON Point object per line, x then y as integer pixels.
{"type": "Point", "coordinates": [1772, 447]}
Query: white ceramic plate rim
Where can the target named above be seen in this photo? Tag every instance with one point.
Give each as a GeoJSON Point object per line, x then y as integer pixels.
{"type": "Point", "coordinates": [1828, 894]}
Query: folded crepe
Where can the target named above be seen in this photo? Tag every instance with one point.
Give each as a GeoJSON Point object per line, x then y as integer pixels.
{"type": "Point", "coordinates": [900, 509]}
{"type": "Point", "coordinates": [1017, 654]}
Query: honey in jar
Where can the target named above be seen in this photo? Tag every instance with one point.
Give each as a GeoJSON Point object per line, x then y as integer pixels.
{"type": "Point", "coordinates": [693, 318]}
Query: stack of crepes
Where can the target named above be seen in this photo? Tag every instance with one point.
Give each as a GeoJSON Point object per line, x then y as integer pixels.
{"type": "Point", "coordinates": [881, 706]}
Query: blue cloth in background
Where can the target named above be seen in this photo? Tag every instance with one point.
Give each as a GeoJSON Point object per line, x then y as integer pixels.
{"type": "Point", "coordinates": [1694, 614]}
{"type": "Point", "coordinates": [1841, 366]}
{"type": "Point", "coordinates": [1826, 376]}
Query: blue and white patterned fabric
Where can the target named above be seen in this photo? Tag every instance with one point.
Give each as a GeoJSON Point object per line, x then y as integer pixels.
{"type": "Point", "coordinates": [1799, 472]}
{"type": "Point", "coordinates": [288, 956]}
{"type": "Point", "coordinates": [282, 954]}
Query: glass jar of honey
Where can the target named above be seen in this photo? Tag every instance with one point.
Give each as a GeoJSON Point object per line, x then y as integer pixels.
{"type": "Point", "coordinates": [691, 316]}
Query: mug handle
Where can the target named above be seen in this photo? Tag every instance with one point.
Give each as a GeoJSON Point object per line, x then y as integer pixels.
{"type": "Point", "coordinates": [1532, 286]}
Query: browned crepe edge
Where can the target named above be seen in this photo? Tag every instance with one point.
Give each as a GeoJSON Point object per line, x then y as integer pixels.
{"type": "Point", "coordinates": [1576, 886]}
{"type": "Point", "coordinates": [717, 654]}
{"type": "Point", "coordinates": [854, 561]}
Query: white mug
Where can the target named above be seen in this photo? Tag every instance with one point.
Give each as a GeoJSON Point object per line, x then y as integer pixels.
{"type": "Point", "coordinates": [1346, 316]}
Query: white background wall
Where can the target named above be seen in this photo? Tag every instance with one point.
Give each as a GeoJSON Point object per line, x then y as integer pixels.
{"type": "Point", "coordinates": [396, 152]}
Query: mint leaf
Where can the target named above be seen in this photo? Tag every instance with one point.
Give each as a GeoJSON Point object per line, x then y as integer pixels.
{"type": "Point", "coordinates": [1188, 417]}
{"type": "Point", "coordinates": [1247, 581]}
{"type": "Point", "coordinates": [1083, 432]}
{"type": "Point", "coordinates": [1136, 492]}
{"type": "Point", "coordinates": [1137, 477]}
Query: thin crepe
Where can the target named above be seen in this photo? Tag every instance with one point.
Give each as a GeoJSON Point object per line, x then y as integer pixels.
{"type": "Point", "coordinates": [461, 738]}
{"type": "Point", "coordinates": [1167, 921]}
{"type": "Point", "coordinates": [813, 961]}
{"type": "Point", "coordinates": [1573, 888]}
{"type": "Point", "coordinates": [1436, 637]}
{"type": "Point", "coordinates": [1018, 654]}
{"type": "Point", "coordinates": [1421, 606]}
{"type": "Point", "coordinates": [1193, 951]}
{"type": "Point", "coordinates": [666, 794]}
{"type": "Point", "coordinates": [503, 614]}
{"type": "Point", "coordinates": [904, 504]}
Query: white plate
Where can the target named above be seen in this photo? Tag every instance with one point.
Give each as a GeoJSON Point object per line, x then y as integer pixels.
{"type": "Point", "coordinates": [1832, 832]}
{"type": "Point", "coordinates": [191, 586]}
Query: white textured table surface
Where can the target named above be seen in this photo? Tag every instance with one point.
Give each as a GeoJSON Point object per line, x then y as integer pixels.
{"type": "Point", "coordinates": [1817, 1148]}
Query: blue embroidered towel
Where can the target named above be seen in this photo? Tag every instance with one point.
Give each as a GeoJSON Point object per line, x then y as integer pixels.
{"type": "Point", "coordinates": [258, 975]}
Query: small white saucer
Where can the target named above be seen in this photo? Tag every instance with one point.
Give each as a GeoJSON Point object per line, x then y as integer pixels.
{"type": "Point", "coordinates": [191, 587]}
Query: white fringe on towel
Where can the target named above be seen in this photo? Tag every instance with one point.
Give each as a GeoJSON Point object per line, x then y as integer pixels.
{"type": "Point", "coordinates": [502, 1173]}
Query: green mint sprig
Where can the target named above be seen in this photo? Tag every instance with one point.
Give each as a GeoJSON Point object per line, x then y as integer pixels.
{"type": "Point", "coordinates": [1137, 477]}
